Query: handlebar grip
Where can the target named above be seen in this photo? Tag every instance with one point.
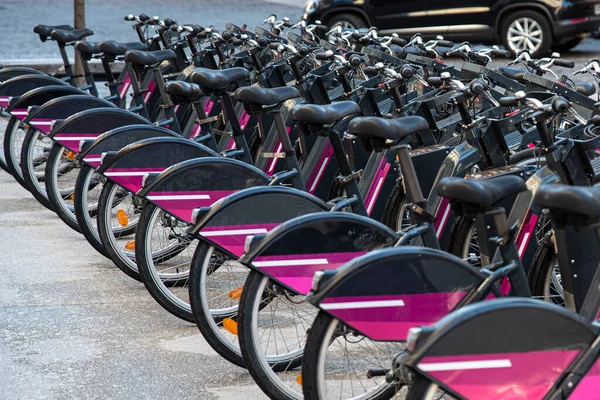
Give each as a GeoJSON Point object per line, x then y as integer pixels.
{"type": "Point", "coordinates": [407, 71]}
{"type": "Point", "coordinates": [477, 87]}
{"type": "Point", "coordinates": [237, 42]}
{"type": "Point", "coordinates": [501, 53]}
{"type": "Point", "coordinates": [202, 35]}
{"type": "Point", "coordinates": [320, 27]}
{"type": "Point", "coordinates": [560, 105]}
{"type": "Point", "coordinates": [322, 56]}
{"type": "Point", "coordinates": [399, 41]}
{"type": "Point", "coordinates": [595, 120]}
{"type": "Point", "coordinates": [356, 35]}
{"type": "Point", "coordinates": [445, 43]}
{"type": "Point", "coordinates": [169, 22]}
{"type": "Point", "coordinates": [197, 29]}
{"type": "Point", "coordinates": [355, 60]}
{"type": "Point", "coordinates": [143, 17]}
{"type": "Point", "coordinates": [510, 101]}
{"type": "Point", "coordinates": [303, 50]}
{"type": "Point", "coordinates": [370, 70]}
{"type": "Point", "coordinates": [435, 81]}
{"type": "Point", "coordinates": [561, 62]}
{"type": "Point", "coordinates": [262, 41]}
{"type": "Point", "coordinates": [129, 17]}
{"type": "Point", "coordinates": [227, 35]}
{"type": "Point", "coordinates": [287, 24]}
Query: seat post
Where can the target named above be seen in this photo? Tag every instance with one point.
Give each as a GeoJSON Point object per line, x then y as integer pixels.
{"type": "Point", "coordinates": [348, 177]}
{"type": "Point", "coordinates": [519, 284]}
{"type": "Point", "coordinates": [166, 100]}
{"type": "Point", "coordinates": [238, 134]}
{"type": "Point", "coordinates": [204, 122]}
{"type": "Point", "coordinates": [66, 63]}
{"type": "Point", "coordinates": [111, 82]}
{"type": "Point", "coordinates": [138, 98]}
{"type": "Point", "coordinates": [291, 161]}
{"type": "Point", "coordinates": [89, 77]}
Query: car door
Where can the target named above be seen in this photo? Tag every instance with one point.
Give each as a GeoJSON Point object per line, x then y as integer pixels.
{"type": "Point", "coordinates": [407, 17]}
{"type": "Point", "coordinates": [468, 15]}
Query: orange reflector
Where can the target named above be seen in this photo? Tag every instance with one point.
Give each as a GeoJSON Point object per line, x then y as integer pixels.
{"type": "Point", "coordinates": [299, 379]}
{"type": "Point", "coordinates": [122, 217]}
{"type": "Point", "coordinates": [230, 325]}
{"type": "Point", "coordinates": [71, 155]}
{"type": "Point", "coordinates": [236, 293]}
{"type": "Point", "coordinates": [72, 196]}
{"type": "Point", "coordinates": [130, 245]}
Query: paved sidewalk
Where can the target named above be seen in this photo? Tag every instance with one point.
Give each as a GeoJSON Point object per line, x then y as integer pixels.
{"type": "Point", "coordinates": [72, 326]}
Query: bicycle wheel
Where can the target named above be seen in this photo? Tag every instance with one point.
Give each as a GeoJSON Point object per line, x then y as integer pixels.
{"type": "Point", "coordinates": [119, 208]}
{"type": "Point", "coordinates": [61, 173]}
{"type": "Point", "coordinates": [34, 155]}
{"type": "Point", "coordinates": [13, 142]}
{"type": "Point", "coordinates": [88, 187]}
{"type": "Point", "coordinates": [545, 279]}
{"type": "Point", "coordinates": [4, 118]}
{"type": "Point", "coordinates": [337, 360]}
{"type": "Point", "coordinates": [216, 283]}
{"type": "Point", "coordinates": [165, 277]}
{"type": "Point", "coordinates": [273, 325]}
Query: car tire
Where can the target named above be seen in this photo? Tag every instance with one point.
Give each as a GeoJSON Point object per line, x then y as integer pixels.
{"type": "Point", "coordinates": [567, 45]}
{"type": "Point", "coordinates": [347, 20]}
{"type": "Point", "coordinates": [526, 21]}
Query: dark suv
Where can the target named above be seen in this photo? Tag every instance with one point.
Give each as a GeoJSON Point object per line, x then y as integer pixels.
{"type": "Point", "coordinates": [534, 25]}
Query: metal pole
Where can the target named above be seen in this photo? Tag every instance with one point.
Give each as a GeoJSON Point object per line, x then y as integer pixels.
{"type": "Point", "coordinates": [79, 22]}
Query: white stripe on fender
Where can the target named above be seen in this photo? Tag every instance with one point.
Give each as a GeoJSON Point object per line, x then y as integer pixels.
{"type": "Point", "coordinates": [72, 138]}
{"type": "Point", "coordinates": [443, 221]}
{"type": "Point", "coordinates": [362, 304]}
{"type": "Point", "coordinates": [289, 263]}
{"type": "Point", "coordinates": [92, 159]}
{"type": "Point", "coordinates": [141, 173]}
{"type": "Point", "coordinates": [180, 197]}
{"type": "Point", "coordinates": [318, 177]}
{"type": "Point", "coordinates": [464, 365]}
{"type": "Point", "coordinates": [20, 112]}
{"type": "Point", "coordinates": [234, 232]}
{"type": "Point", "coordinates": [41, 123]}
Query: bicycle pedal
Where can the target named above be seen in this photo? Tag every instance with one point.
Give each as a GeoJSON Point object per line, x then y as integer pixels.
{"type": "Point", "coordinates": [122, 218]}
{"type": "Point", "coordinates": [236, 293]}
{"type": "Point", "coordinates": [230, 326]}
{"type": "Point", "coordinates": [373, 372]}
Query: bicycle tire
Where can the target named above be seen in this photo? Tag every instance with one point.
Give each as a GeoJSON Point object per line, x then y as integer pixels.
{"type": "Point", "coordinates": [318, 337]}
{"type": "Point", "coordinates": [158, 283]}
{"type": "Point", "coordinates": [35, 185]}
{"type": "Point", "coordinates": [210, 323]}
{"type": "Point", "coordinates": [56, 196]}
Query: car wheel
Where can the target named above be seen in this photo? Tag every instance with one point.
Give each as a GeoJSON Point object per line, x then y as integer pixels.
{"type": "Point", "coordinates": [566, 45]}
{"type": "Point", "coordinates": [349, 21]}
{"type": "Point", "coordinates": [526, 30]}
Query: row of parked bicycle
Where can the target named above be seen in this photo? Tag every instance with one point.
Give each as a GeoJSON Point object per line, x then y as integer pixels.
{"type": "Point", "coordinates": [345, 218]}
